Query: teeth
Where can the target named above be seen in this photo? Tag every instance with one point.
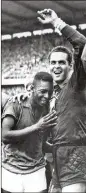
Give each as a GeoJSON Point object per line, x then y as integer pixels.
{"type": "Point", "coordinates": [57, 72]}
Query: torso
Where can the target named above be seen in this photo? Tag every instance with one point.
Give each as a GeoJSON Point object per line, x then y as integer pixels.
{"type": "Point", "coordinates": [71, 112]}
{"type": "Point", "coordinates": [25, 156]}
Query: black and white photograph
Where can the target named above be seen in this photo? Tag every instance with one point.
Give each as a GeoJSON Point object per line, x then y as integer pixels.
{"type": "Point", "coordinates": [43, 96]}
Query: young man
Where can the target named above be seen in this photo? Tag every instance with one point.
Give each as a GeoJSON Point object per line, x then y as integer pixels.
{"type": "Point", "coordinates": [23, 128]}
{"type": "Point", "coordinates": [69, 135]}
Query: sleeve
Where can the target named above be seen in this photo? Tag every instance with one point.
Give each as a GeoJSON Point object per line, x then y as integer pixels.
{"type": "Point", "coordinates": [4, 100]}
{"type": "Point", "coordinates": [73, 36]}
{"type": "Point", "coordinates": [79, 71]}
{"type": "Point", "coordinates": [11, 109]}
{"type": "Point", "coordinates": [78, 41]}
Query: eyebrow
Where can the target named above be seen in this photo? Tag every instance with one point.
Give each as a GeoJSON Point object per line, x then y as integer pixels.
{"type": "Point", "coordinates": [58, 61]}
{"type": "Point", "coordinates": [62, 61]}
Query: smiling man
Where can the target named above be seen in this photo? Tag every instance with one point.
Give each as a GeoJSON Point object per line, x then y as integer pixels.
{"type": "Point", "coordinates": [69, 135]}
{"type": "Point", "coordinates": [23, 129]}
{"type": "Point", "coordinates": [60, 60]}
{"type": "Point", "coordinates": [59, 66]}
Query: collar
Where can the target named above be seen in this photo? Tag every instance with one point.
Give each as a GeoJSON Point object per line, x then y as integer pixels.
{"type": "Point", "coordinates": [57, 87]}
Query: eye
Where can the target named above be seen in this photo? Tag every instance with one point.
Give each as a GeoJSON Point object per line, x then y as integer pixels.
{"type": "Point", "coordinates": [62, 62]}
{"type": "Point", "coordinates": [43, 91]}
{"type": "Point", "coordinates": [53, 62]}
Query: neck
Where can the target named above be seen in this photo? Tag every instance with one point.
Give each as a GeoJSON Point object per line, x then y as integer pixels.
{"type": "Point", "coordinates": [62, 84]}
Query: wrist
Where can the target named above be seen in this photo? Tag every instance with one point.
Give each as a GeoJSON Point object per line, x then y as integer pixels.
{"type": "Point", "coordinates": [58, 23]}
{"type": "Point", "coordinates": [37, 127]}
{"type": "Point", "coordinates": [55, 21]}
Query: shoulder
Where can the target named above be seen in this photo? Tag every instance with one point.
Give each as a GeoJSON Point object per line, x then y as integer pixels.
{"type": "Point", "coordinates": [11, 108]}
{"type": "Point", "coordinates": [4, 99]}
{"type": "Point", "coordinates": [26, 102]}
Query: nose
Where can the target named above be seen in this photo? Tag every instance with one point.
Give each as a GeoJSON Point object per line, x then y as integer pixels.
{"type": "Point", "coordinates": [46, 95]}
{"type": "Point", "coordinates": [57, 65]}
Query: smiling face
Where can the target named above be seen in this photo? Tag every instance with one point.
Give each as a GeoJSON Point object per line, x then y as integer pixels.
{"type": "Point", "coordinates": [59, 66]}
{"type": "Point", "coordinates": [42, 92]}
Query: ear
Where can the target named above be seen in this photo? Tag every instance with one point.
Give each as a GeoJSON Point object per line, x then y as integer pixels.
{"type": "Point", "coordinates": [32, 87]}
{"type": "Point", "coordinates": [71, 65]}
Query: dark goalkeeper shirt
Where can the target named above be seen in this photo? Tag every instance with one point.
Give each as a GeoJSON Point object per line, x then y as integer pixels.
{"type": "Point", "coordinates": [69, 135]}
{"type": "Point", "coordinates": [71, 112]}
{"type": "Point", "coordinates": [71, 103]}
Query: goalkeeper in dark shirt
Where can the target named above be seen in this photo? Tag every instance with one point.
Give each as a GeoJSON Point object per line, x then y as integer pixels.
{"type": "Point", "coordinates": [69, 135]}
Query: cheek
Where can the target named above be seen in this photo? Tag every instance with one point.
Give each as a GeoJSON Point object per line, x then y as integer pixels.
{"type": "Point", "coordinates": [51, 68]}
{"type": "Point", "coordinates": [53, 74]}
{"type": "Point", "coordinates": [35, 95]}
{"type": "Point", "coordinates": [52, 71]}
{"type": "Point", "coordinates": [65, 72]}
{"type": "Point", "coordinates": [38, 96]}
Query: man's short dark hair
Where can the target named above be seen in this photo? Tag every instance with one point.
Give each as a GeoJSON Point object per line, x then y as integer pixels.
{"type": "Point", "coordinates": [64, 50]}
{"type": "Point", "coordinates": [45, 76]}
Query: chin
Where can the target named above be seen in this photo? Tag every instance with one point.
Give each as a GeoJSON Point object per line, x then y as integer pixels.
{"type": "Point", "coordinates": [58, 79]}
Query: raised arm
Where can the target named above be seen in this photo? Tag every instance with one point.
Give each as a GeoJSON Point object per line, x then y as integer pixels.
{"type": "Point", "coordinates": [49, 16]}
{"type": "Point", "coordinates": [73, 36]}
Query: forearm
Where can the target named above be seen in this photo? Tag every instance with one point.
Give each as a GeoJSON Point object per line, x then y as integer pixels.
{"type": "Point", "coordinates": [13, 136]}
{"type": "Point", "coordinates": [75, 38]}
{"type": "Point", "coordinates": [49, 16]}
{"type": "Point", "coordinates": [72, 35]}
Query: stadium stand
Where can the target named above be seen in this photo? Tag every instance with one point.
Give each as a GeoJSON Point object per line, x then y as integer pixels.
{"type": "Point", "coordinates": [23, 57]}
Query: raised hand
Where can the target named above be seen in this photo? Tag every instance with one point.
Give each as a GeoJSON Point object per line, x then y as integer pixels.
{"type": "Point", "coordinates": [47, 16]}
{"type": "Point", "coordinates": [48, 121]}
{"type": "Point", "coordinates": [19, 97]}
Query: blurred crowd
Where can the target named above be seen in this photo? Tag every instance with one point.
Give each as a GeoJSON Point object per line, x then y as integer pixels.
{"type": "Point", "coordinates": [24, 56]}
